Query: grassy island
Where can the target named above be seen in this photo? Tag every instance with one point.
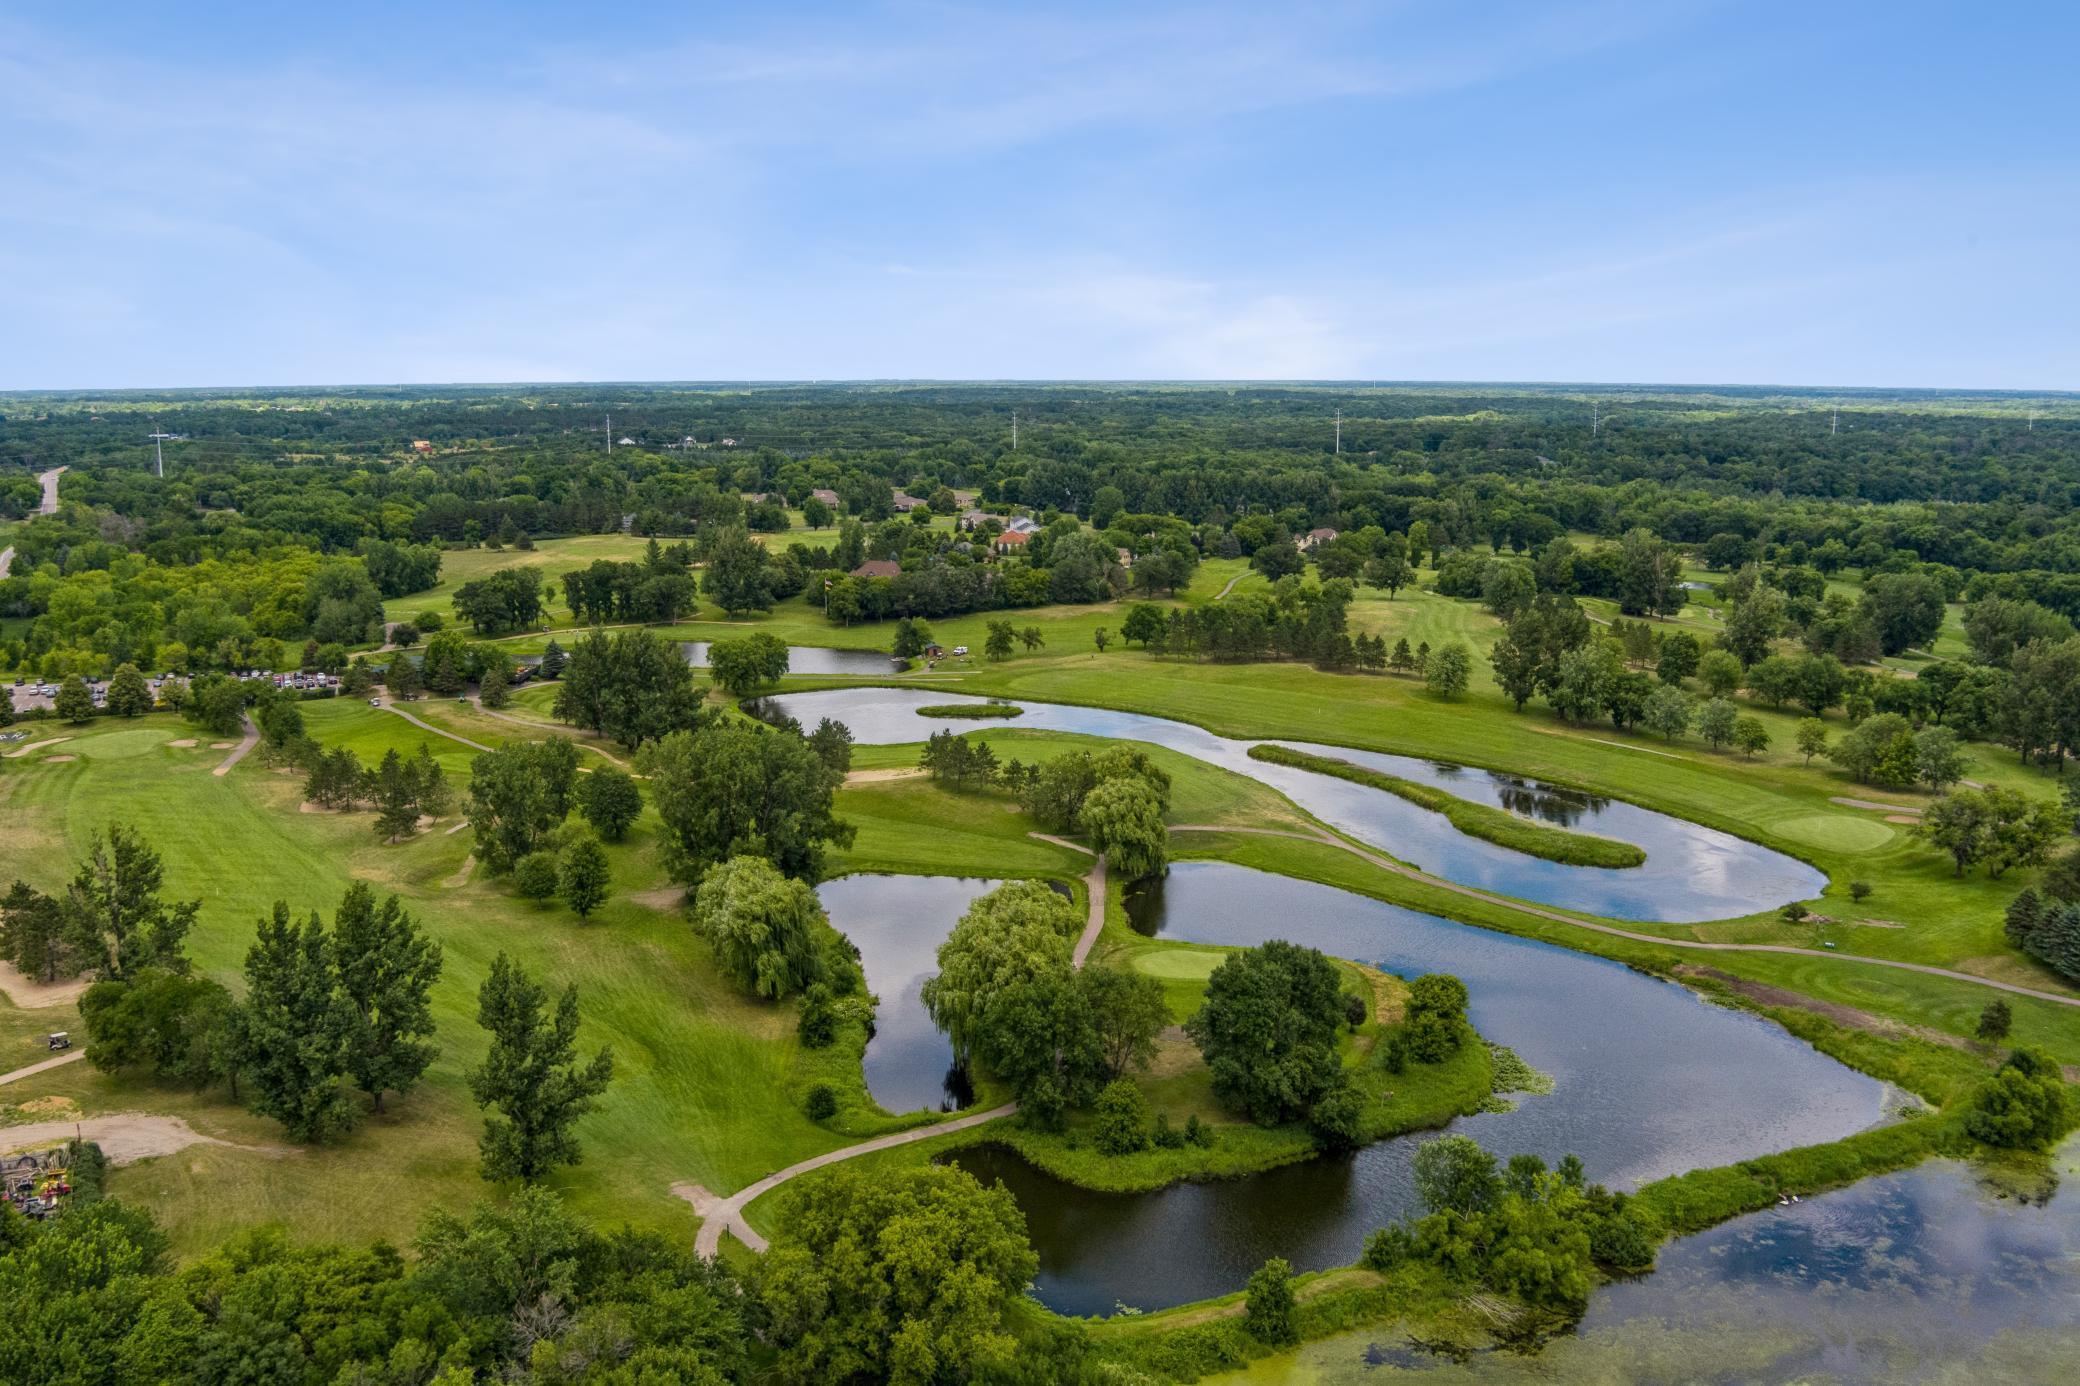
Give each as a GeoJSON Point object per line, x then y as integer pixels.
{"type": "Point", "coordinates": [1483, 821]}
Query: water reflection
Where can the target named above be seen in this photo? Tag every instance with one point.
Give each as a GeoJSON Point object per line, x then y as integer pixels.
{"type": "Point", "coordinates": [1691, 872]}
{"type": "Point", "coordinates": [807, 659]}
{"type": "Point", "coordinates": [1648, 1081]}
{"type": "Point", "coordinates": [898, 923]}
{"type": "Point", "coordinates": [1923, 1276]}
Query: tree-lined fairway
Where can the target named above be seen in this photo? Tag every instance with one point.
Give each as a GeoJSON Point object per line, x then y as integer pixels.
{"type": "Point", "coordinates": [708, 1084]}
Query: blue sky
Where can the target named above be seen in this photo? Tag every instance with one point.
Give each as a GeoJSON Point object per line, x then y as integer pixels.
{"type": "Point", "coordinates": [1816, 193]}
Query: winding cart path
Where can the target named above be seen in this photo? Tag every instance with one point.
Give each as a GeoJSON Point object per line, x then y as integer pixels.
{"type": "Point", "coordinates": [727, 1214]}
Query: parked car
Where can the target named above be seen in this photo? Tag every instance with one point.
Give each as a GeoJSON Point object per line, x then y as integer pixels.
{"type": "Point", "coordinates": [375, 702]}
{"type": "Point", "coordinates": [960, 649]}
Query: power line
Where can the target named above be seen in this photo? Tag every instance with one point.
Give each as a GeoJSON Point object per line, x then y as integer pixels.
{"type": "Point", "coordinates": [159, 437]}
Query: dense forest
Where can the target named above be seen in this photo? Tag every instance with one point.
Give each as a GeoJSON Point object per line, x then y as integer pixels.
{"type": "Point", "coordinates": [288, 516]}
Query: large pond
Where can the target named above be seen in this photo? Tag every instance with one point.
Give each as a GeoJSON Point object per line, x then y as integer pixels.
{"type": "Point", "coordinates": [898, 923]}
{"type": "Point", "coordinates": [808, 659]}
{"type": "Point", "coordinates": [1921, 1276]}
{"type": "Point", "coordinates": [1648, 1081]}
{"type": "Point", "coordinates": [1691, 873]}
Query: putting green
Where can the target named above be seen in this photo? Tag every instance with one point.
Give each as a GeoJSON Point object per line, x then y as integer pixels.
{"type": "Point", "coordinates": [1836, 832]}
{"type": "Point", "coordinates": [1179, 963]}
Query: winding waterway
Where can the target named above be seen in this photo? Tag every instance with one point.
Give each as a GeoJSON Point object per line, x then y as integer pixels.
{"type": "Point", "coordinates": [898, 923]}
{"type": "Point", "coordinates": [1692, 873]}
{"type": "Point", "coordinates": [1921, 1275]}
{"type": "Point", "coordinates": [1648, 1081]}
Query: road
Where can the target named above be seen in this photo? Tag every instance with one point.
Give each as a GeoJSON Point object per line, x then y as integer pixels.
{"type": "Point", "coordinates": [720, 1214]}
{"type": "Point", "coordinates": [49, 506]}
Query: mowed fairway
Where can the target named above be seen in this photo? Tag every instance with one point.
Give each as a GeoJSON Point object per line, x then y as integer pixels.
{"type": "Point", "coordinates": [705, 1087]}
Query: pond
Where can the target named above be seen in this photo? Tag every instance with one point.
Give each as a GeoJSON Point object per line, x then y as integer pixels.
{"type": "Point", "coordinates": [1925, 1275]}
{"type": "Point", "coordinates": [898, 923]}
{"type": "Point", "coordinates": [1648, 1081]}
{"type": "Point", "coordinates": [1691, 873]}
{"type": "Point", "coordinates": [808, 659]}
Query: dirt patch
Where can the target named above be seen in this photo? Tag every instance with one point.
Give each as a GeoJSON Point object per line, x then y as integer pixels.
{"type": "Point", "coordinates": [1763, 994]}
{"type": "Point", "coordinates": [882, 776]}
{"type": "Point", "coordinates": [18, 752]}
{"type": "Point", "coordinates": [1175, 1054]}
{"type": "Point", "coordinates": [308, 807]}
{"type": "Point", "coordinates": [1875, 923]}
{"type": "Point", "coordinates": [703, 1202]}
{"type": "Point", "coordinates": [456, 829]}
{"type": "Point", "coordinates": [1909, 819]}
{"type": "Point", "coordinates": [186, 743]}
{"type": "Point", "coordinates": [1875, 805]}
{"type": "Point", "coordinates": [665, 898]}
{"type": "Point", "coordinates": [58, 760]}
{"type": "Point", "coordinates": [222, 745]}
{"type": "Point", "coordinates": [47, 1107]}
{"type": "Point", "coordinates": [31, 995]}
{"type": "Point", "coordinates": [123, 1137]}
{"type": "Point", "coordinates": [461, 878]}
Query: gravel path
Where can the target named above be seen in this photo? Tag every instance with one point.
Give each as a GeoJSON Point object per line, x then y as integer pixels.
{"type": "Point", "coordinates": [429, 727]}
{"type": "Point", "coordinates": [239, 752]}
{"type": "Point", "coordinates": [123, 1136]}
{"type": "Point", "coordinates": [74, 1057]}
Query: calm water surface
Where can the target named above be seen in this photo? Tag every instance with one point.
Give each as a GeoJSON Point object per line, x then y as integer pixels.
{"type": "Point", "coordinates": [1648, 1081]}
{"type": "Point", "coordinates": [808, 659]}
{"type": "Point", "coordinates": [898, 923]}
{"type": "Point", "coordinates": [1924, 1276]}
{"type": "Point", "coordinates": [1691, 873]}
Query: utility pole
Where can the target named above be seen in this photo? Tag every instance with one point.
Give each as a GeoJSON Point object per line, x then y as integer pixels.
{"type": "Point", "coordinates": [158, 437]}
{"type": "Point", "coordinates": [610, 435]}
{"type": "Point", "coordinates": [1339, 433]}
{"type": "Point", "coordinates": [1014, 430]}
{"type": "Point", "coordinates": [1595, 417]}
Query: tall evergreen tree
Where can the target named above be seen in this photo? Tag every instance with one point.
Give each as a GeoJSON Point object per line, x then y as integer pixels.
{"type": "Point", "coordinates": [397, 798]}
{"type": "Point", "coordinates": [531, 1079]}
{"type": "Point", "coordinates": [299, 1034]}
{"type": "Point", "coordinates": [493, 688]}
{"type": "Point", "coordinates": [387, 969]}
{"type": "Point", "coordinates": [430, 784]}
{"type": "Point", "coordinates": [33, 935]}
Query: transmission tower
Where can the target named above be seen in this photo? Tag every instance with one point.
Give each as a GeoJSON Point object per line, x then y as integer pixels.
{"type": "Point", "coordinates": [159, 437]}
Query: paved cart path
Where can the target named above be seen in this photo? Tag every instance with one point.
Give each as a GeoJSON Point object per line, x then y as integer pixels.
{"type": "Point", "coordinates": [719, 1214]}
